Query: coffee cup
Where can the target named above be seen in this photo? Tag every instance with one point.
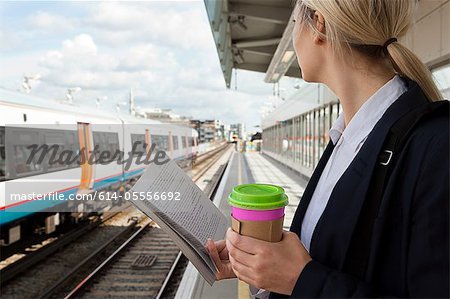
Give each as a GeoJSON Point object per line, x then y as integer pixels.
{"type": "Point", "coordinates": [257, 210]}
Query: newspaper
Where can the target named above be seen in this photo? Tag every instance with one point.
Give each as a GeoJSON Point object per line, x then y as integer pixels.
{"type": "Point", "coordinates": [167, 195]}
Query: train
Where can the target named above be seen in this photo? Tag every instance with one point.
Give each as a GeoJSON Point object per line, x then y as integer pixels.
{"type": "Point", "coordinates": [28, 122]}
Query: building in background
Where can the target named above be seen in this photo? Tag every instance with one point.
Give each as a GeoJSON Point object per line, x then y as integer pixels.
{"type": "Point", "coordinates": [208, 130]}
{"type": "Point", "coordinates": [237, 130]}
{"type": "Point", "coordinates": [163, 115]}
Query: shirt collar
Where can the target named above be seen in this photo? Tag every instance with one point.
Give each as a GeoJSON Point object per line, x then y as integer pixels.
{"type": "Point", "coordinates": [368, 115]}
{"type": "Point", "coordinates": [337, 129]}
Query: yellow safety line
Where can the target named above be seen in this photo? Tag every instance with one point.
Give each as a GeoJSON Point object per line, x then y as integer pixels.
{"type": "Point", "coordinates": [239, 170]}
{"type": "Point", "coordinates": [243, 289]}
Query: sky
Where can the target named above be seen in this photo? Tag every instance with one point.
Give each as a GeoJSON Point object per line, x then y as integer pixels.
{"type": "Point", "coordinates": [164, 50]}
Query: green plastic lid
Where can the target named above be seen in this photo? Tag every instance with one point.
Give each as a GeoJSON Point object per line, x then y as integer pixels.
{"type": "Point", "coordinates": [258, 197]}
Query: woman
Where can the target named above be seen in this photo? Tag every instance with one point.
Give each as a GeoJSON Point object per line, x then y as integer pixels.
{"type": "Point", "coordinates": [351, 46]}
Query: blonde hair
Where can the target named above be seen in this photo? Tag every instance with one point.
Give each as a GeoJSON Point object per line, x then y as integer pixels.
{"type": "Point", "coordinates": [366, 25]}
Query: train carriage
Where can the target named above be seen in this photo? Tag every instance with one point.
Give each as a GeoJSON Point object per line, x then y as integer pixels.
{"type": "Point", "coordinates": [92, 134]}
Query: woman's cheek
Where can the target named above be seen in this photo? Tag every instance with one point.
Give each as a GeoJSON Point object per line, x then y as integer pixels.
{"type": "Point", "coordinates": [304, 67]}
{"type": "Point", "coordinates": [301, 51]}
{"type": "Point", "coordinates": [298, 53]}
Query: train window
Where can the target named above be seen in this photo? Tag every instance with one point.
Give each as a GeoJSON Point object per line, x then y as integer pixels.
{"type": "Point", "coordinates": [25, 164]}
{"type": "Point", "coordinates": [190, 141]}
{"type": "Point", "coordinates": [2, 155]}
{"type": "Point", "coordinates": [161, 142]}
{"type": "Point", "coordinates": [98, 139]}
{"type": "Point", "coordinates": [66, 142]}
{"type": "Point", "coordinates": [113, 141]}
{"type": "Point", "coordinates": [138, 144]}
{"type": "Point", "coordinates": [183, 141]}
{"type": "Point", "coordinates": [55, 140]}
{"type": "Point", "coordinates": [106, 142]}
{"type": "Point", "coordinates": [175, 142]}
{"type": "Point", "coordinates": [74, 146]}
{"type": "Point", "coordinates": [99, 142]}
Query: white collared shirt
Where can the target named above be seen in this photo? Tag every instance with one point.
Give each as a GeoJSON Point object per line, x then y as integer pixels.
{"type": "Point", "coordinates": [347, 140]}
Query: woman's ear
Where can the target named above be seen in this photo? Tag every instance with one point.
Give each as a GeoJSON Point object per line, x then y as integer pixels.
{"type": "Point", "coordinates": [319, 22]}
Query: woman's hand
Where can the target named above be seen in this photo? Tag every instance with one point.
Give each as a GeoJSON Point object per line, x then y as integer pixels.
{"type": "Point", "coordinates": [219, 254]}
{"type": "Point", "coordinates": [274, 267]}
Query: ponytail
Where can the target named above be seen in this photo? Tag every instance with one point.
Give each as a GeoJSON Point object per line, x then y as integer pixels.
{"type": "Point", "coordinates": [407, 64]}
{"type": "Point", "coordinates": [371, 27]}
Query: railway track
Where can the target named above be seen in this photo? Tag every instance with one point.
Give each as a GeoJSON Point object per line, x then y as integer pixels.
{"type": "Point", "coordinates": [208, 160]}
{"type": "Point", "coordinates": [50, 263]}
{"type": "Point", "coordinates": [125, 255]}
{"type": "Point", "coordinates": [143, 266]}
{"type": "Point", "coordinates": [138, 268]}
{"type": "Point", "coordinates": [34, 257]}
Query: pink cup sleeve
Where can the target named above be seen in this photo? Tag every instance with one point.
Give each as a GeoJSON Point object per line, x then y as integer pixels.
{"type": "Point", "coordinates": [257, 215]}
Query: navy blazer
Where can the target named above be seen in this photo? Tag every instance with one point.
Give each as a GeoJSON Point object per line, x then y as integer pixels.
{"type": "Point", "coordinates": [409, 254]}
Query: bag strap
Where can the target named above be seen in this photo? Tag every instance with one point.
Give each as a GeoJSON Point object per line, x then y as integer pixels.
{"type": "Point", "coordinates": [360, 245]}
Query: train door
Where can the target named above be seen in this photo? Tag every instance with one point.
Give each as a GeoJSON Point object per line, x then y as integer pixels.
{"type": "Point", "coordinates": [187, 146]}
{"type": "Point", "coordinates": [148, 141]}
{"type": "Point", "coordinates": [86, 148]}
{"type": "Point", "coordinates": [171, 145]}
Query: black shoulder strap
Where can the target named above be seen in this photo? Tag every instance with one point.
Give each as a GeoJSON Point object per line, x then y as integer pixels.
{"type": "Point", "coordinates": [361, 240]}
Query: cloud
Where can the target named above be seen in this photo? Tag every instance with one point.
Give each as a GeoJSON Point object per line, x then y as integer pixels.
{"type": "Point", "coordinates": [79, 63]}
{"type": "Point", "coordinates": [163, 50]}
{"type": "Point", "coordinates": [82, 44]}
{"type": "Point", "coordinates": [8, 40]}
{"type": "Point", "coordinates": [122, 22]}
{"type": "Point", "coordinates": [146, 57]}
{"type": "Point", "coordinates": [50, 22]}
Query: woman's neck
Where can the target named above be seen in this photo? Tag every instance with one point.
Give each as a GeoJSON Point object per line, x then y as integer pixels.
{"type": "Point", "coordinates": [354, 86]}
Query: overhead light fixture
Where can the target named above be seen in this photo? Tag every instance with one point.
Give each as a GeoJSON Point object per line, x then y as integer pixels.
{"type": "Point", "coordinates": [238, 57]}
{"type": "Point", "coordinates": [241, 24]}
{"type": "Point", "coordinates": [287, 56]}
{"type": "Point", "coordinates": [283, 56]}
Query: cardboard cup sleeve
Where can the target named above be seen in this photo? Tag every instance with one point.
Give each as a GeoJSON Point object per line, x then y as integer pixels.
{"type": "Point", "coordinates": [270, 231]}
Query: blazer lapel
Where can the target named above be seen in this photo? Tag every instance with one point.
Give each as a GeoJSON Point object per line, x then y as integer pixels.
{"type": "Point", "coordinates": [333, 232]}
{"type": "Point", "coordinates": [308, 193]}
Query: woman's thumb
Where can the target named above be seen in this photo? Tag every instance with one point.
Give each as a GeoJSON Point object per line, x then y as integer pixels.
{"type": "Point", "coordinates": [214, 254]}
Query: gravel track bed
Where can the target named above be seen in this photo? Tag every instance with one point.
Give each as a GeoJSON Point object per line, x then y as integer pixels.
{"type": "Point", "coordinates": [35, 280]}
{"type": "Point", "coordinates": [121, 280]}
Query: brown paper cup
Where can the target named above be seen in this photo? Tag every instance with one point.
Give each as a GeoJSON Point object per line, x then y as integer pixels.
{"type": "Point", "coordinates": [270, 231]}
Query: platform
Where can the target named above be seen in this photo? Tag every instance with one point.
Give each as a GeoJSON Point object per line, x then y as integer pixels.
{"type": "Point", "coordinates": [243, 168]}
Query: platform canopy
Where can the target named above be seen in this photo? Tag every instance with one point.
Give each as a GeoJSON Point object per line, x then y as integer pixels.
{"type": "Point", "coordinates": [254, 35]}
